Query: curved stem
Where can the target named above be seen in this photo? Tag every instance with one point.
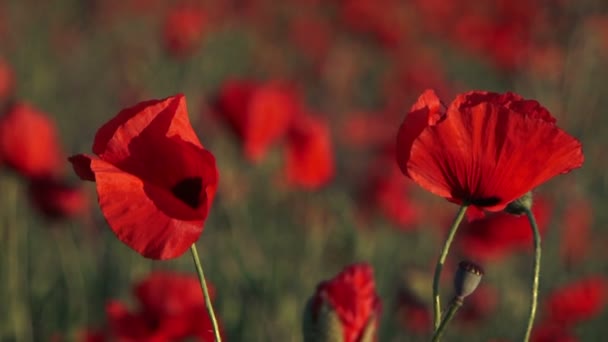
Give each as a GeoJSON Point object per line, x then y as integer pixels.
{"type": "Point", "coordinates": [456, 304]}
{"type": "Point", "coordinates": [536, 275]}
{"type": "Point", "coordinates": [201, 277]}
{"type": "Point", "coordinates": [441, 262]}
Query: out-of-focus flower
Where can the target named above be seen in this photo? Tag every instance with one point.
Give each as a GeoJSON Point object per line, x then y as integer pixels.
{"type": "Point", "coordinates": [379, 19]}
{"type": "Point", "coordinates": [309, 153]}
{"type": "Point", "coordinates": [29, 141]}
{"type": "Point", "coordinates": [57, 199]}
{"type": "Point", "coordinates": [7, 80]}
{"type": "Point", "coordinates": [576, 228]}
{"type": "Point", "coordinates": [183, 29]}
{"type": "Point", "coordinates": [346, 306]}
{"type": "Point", "coordinates": [171, 308]}
{"type": "Point", "coordinates": [486, 149]}
{"type": "Point", "coordinates": [497, 235]}
{"type": "Point", "coordinates": [155, 181]}
{"type": "Point", "coordinates": [312, 36]}
{"type": "Point", "coordinates": [552, 333]}
{"type": "Point", "coordinates": [479, 306]}
{"type": "Point", "coordinates": [577, 301]}
{"type": "Point", "coordinates": [413, 314]}
{"type": "Point", "coordinates": [389, 193]}
{"type": "Point", "coordinates": [258, 114]}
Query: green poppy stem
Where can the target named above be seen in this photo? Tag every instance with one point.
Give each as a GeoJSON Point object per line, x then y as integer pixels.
{"type": "Point", "coordinates": [441, 262]}
{"type": "Point", "coordinates": [536, 275]}
{"type": "Point", "coordinates": [201, 277]}
{"type": "Point", "coordinates": [454, 306]}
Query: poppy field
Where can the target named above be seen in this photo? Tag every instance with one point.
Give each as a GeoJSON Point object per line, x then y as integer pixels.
{"type": "Point", "coordinates": [303, 170]}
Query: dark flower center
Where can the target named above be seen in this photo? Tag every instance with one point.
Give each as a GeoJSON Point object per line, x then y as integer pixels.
{"type": "Point", "coordinates": [484, 202]}
{"type": "Point", "coordinates": [188, 190]}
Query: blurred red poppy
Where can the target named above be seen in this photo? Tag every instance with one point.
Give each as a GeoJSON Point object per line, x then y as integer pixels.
{"type": "Point", "coordinates": [155, 181]}
{"type": "Point", "coordinates": [576, 231]}
{"type": "Point", "coordinates": [351, 295]}
{"type": "Point", "coordinates": [413, 314]}
{"type": "Point", "coordinates": [577, 301]}
{"type": "Point", "coordinates": [497, 235]}
{"type": "Point", "coordinates": [171, 308]}
{"type": "Point", "coordinates": [56, 199]}
{"type": "Point", "coordinates": [309, 153]}
{"type": "Point", "coordinates": [29, 142]}
{"type": "Point", "coordinates": [486, 149]}
{"type": "Point", "coordinates": [259, 114]}
{"type": "Point", "coordinates": [552, 333]}
{"type": "Point", "coordinates": [183, 29]}
{"type": "Point", "coordinates": [388, 193]}
{"type": "Point", "coordinates": [479, 306]}
{"type": "Point", "coordinates": [7, 80]}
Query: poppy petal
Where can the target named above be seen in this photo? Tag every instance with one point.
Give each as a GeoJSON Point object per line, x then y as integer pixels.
{"type": "Point", "coordinates": [128, 205]}
{"type": "Point", "coordinates": [113, 139]}
{"type": "Point", "coordinates": [82, 166]}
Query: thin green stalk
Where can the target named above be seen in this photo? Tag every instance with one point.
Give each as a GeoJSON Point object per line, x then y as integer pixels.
{"type": "Point", "coordinates": [441, 262]}
{"type": "Point", "coordinates": [454, 306]}
{"type": "Point", "coordinates": [536, 275]}
{"type": "Point", "coordinates": [201, 277]}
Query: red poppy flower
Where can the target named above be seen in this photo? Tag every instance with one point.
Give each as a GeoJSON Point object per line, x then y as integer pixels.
{"type": "Point", "coordinates": [29, 142]}
{"type": "Point", "coordinates": [577, 302]}
{"type": "Point", "coordinates": [309, 153]}
{"type": "Point", "coordinates": [352, 296]}
{"type": "Point", "coordinates": [183, 29]}
{"type": "Point", "coordinates": [155, 181]}
{"type": "Point", "coordinates": [259, 114]}
{"type": "Point", "coordinates": [171, 308]}
{"type": "Point", "coordinates": [56, 199]}
{"type": "Point", "coordinates": [485, 149]}
{"type": "Point", "coordinates": [497, 235]}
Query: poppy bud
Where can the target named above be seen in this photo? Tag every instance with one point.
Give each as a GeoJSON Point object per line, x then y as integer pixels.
{"type": "Point", "coordinates": [343, 309]}
{"type": "Point", "coordinates": [520, 205]}
{"type": "Point", "coordinates": [326, 327]}
{"type": "Point", "coordinates": [467, 278]}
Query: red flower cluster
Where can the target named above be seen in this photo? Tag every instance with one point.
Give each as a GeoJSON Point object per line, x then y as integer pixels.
{"type": "Point", "coordinates": [352, 296]}
{"type": "Point", "coordinates": [262, 115]}
{"type": "Point", "coordinates": [155, 181]}
{"type": "Point", "coordinates": [171, 308]}
{"type": "Point", "coordinates": [486, 149]}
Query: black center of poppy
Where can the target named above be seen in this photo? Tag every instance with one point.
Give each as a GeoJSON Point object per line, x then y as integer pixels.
{"type": "Point", "coordinates": [484, 201]}
{"type": "Point", "coordinates": [188, 190]}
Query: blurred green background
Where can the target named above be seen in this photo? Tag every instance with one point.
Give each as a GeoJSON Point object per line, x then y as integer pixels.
{"type": "Point", "coordinates": [267, 245]}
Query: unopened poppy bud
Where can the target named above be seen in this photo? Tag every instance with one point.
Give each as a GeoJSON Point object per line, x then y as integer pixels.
{"type": "Point", "coordinates": [467, 278]}
{"type": "Point", "coordinates": [520, 205]}
{"type": "Point", "coordinates": [322, 326]}
{"type": "Point", "coordinates": [343, 309]}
